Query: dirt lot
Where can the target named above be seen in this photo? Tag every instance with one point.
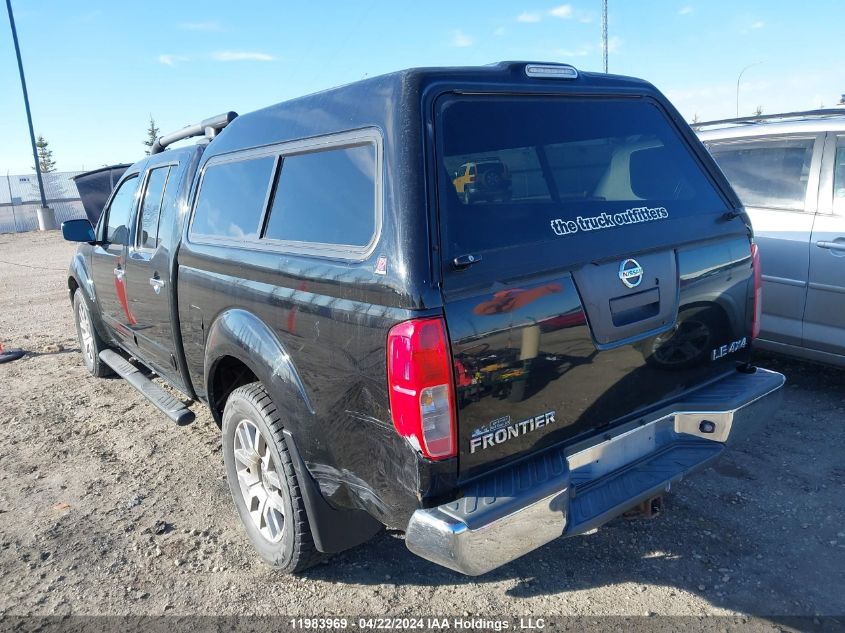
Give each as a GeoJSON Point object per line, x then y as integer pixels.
{"type": "Point", "coordinates": [88, 468]}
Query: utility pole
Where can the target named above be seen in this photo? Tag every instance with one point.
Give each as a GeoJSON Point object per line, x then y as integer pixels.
{"type": "Point", "coordinates": [46, 217]}
{"type": "Point", "coordinates": [603, 31]}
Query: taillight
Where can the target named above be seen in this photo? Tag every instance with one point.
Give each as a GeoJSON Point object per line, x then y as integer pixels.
{"type": "Point", "coordinates": [419, 379]}
{"type": "Point", "coordinates": [758, 291]}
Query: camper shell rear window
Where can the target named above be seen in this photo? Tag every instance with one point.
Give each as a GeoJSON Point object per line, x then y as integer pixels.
{"type": "Point", "coordinates": [557, 166]}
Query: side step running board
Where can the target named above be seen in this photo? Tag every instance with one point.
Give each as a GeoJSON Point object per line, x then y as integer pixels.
{"type": "Point", "coordinates": [167, 404]}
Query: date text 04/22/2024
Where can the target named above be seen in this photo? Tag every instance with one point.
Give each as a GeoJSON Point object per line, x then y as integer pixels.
{"type": "Point", "coordinates": [418, 623]}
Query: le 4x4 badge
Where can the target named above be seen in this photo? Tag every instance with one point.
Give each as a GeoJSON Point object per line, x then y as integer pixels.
{"type": "Point", "coordinates": [729, 348]}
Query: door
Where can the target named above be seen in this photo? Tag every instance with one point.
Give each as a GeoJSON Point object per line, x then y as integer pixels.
{"type": "Point", "coordinates": [824, 317]}
{"type": "Point", "coordinates": [608, 283]}
{"type": "Point", "coordinates": [777, 179]}
{"type": "Point", "coordinates": [147, 273]}
{"type": "Point", "coordinates": [107, 260]}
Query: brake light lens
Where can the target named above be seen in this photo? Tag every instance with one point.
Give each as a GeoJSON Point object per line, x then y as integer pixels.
{"type": "Point", "coordinates": [758, 291]}
{"type": "Point", "coordinates": [419, 376]}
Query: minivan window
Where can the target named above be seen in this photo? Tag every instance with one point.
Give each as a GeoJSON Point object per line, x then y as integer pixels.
{"type": "Point", "coordinates": [120, 211]}
{"type": "Point", "coordinates": [231, 198]}
{"type": "Point", "coordinates": [552, 166]}
{"type": "Point", "coordinates": [771, 173]}
{"type": "Point", "coordinates": [151, 208]}
{"type": "Point", "coordinates": [326, 197]}
{"type": "Point", "coordinates": [839, 177]}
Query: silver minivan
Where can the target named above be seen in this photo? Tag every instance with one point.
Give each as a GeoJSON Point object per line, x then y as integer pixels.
{"type": "Point", "coordinates": [789, 171]}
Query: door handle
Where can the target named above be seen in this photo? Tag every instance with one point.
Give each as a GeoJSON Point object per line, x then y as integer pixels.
{"type": "Point", "coordinates": [157, 284]}
{"type": "Point", "coordinates": [119, 272]}
{"type": "Point", "coordinates": [834, 246]}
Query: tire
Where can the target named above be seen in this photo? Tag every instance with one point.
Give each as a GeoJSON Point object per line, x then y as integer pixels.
{"type": "Point", "coordinates": [90, 343]}
{"type": "Point", "coordinates": [263, 482]}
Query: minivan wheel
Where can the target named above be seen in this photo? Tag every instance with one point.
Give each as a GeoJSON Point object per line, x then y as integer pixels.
{"type": "Point", "coordinates": [263, 482]}
{"type": "Point", "coordinates": [689, 343]}
{"type": "Point", "coordinates": [90, 343]}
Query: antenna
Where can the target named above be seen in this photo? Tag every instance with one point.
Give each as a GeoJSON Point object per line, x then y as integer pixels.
{"type": "Point", "coordinates": [604, 31]}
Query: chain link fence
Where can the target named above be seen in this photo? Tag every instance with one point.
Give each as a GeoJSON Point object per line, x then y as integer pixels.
{"type": "Point", "coordinates": [20, 200]}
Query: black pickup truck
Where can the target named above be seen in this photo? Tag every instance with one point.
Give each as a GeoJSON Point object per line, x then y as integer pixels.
{"type": "Point", "coordinates": [482, 373]}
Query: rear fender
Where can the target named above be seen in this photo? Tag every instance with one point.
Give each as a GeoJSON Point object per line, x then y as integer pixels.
{"type": "Point", "coordinates": [242, 335]}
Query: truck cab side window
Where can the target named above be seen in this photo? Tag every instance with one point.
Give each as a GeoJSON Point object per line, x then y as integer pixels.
{"type": "Point", "coordinates": [151, 209]}
{"type": "Point", "coordinates": [326, 197]}
{"type": "Point", "coordinates": [120, 211]}
{"type": "Point", "coordinates": [231, 199]}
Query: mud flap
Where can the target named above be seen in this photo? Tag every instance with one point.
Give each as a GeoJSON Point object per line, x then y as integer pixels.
{"type": "Point", "coordinates": [333, 530]}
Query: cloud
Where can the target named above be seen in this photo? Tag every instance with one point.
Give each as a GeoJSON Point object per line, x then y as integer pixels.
{"type": "Point", "coordinates": [499, 31]}
{"type": "Point", "coordinates": [460, 39]}
{"type": "Point", "coordinates": [89, 17]}
{"type": "Point", "coordinates": [563, 11]}
{"type": "Point", "coordinates": [529, 17]}
{"type": "Point", "coordinates": [171, 60]}
{"type": "Point", "coordinates": [686, 10]}
{"type": "Point", "coordinates": [745, 24]}
{"type": "Point", "coordinates": [201, 26]}
{"type": "Point", "coordinates": [241, 56]}
{"type": "Point", "coordinates": [614, 44]}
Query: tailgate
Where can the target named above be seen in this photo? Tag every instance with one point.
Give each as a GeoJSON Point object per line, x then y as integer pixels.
{"type": "Point", "coordinates": [607, 282]}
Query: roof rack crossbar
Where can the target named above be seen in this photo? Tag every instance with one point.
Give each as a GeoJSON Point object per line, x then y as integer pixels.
{"type": "Point", "coordinates": [208, 128]}
{"type": "Point", "coordinates": [760, 118]}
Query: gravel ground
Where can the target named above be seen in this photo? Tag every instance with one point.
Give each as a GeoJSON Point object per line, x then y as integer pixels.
{"type": "Point", "coordinates": [107, 508]}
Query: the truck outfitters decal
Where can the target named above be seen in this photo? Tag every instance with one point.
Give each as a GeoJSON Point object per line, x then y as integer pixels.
{"type": "Point", "coordinates": [608, 220]}
{"type": "Point", "coordinates": [501, 430]}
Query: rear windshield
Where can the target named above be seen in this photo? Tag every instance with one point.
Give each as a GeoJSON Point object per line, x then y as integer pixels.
{"type": "Point", "coordinates": [522, 170]}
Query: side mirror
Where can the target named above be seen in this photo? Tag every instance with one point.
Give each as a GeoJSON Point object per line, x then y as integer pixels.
{"type": "Point", "coordinates": [78, 231]}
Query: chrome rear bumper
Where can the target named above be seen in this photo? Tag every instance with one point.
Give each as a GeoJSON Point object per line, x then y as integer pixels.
{"type": "Point", "coordinates": [571, 491]}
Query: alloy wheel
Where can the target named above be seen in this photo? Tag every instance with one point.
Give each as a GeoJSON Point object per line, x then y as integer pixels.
{"type": "Point", "coordinates": [259, 481]}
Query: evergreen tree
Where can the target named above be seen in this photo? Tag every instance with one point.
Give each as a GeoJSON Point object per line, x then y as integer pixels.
{"type": "Point", "coordinates": [152, 135]}
{"type": "Point", "coordinates": [46, 164]}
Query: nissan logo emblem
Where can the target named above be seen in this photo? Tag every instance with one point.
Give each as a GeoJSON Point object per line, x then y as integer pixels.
{"type": "Point", "coordinates": [631, 273]}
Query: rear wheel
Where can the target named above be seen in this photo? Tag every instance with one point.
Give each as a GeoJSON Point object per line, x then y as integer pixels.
{"type": "Point", "coordinates": [263, 482]}
{"type": "Point", "coordinates": [90, 343]}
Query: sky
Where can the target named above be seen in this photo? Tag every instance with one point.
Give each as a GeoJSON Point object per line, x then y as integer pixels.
{"type": "Point", "coordinates": [96, 71]}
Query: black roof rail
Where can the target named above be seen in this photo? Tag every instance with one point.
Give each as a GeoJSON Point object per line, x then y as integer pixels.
{"type": "Point", "coordinates": [208, 128]}
{"type": "Point", "coordinates": [762, 118]}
